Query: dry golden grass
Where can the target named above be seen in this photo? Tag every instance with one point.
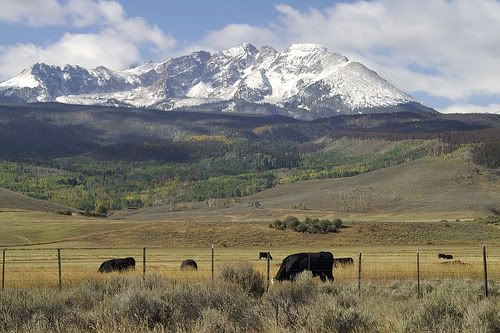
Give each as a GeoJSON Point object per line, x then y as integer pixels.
{"type": "Point", "coordinates": [131, 304]}
{"type": "Point", "coordinates": [38, 267]}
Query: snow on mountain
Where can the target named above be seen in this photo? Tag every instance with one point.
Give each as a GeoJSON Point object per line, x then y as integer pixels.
{"type": "Point", "coordinates": [306, 80]}
{"type": "Point", "coordinates": [24, 80]}
{"type": "Point", "coordinates": [141, 69]}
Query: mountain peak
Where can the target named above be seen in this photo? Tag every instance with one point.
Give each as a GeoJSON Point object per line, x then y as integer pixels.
{"type": "Point", "coordinates": [304, 81]}
{"type": "Point", "coordinates": [42, 66]}
{"type": "Point", "coordinates": [240, 49]}
{"type": "Point", "coordinates": [307, 47]}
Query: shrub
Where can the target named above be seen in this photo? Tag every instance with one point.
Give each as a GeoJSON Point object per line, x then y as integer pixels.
{"type": "Point", "coordinates": [333, 317]}
{"type": "Point", "coordinates": [301, 227]}
{"type": "Point", "coordinates": [278, 225]}
{"type": "Point", "coordinates": [291, 222]}
{"type": "Point", "coordinates": [86, 295]}
{"type": "Point", "coordinates": [337, 223]}
{"type": "Point", "coordinates": [154, 305]}
{"type": "Point", "coordinates": [324, 224]}
{"type": "Point", "coordinates": [246, 277]}
{"type": "Point", "coordinates": [288, 298]}
{"type": "Point", "coordinates": [312, 229]}
{"type": "Point", "coordinates": [147, 307]}
{"type": "Point", "coordinates": [214, 321]}
{"type": "Point", "coordinates": [331, 228]}
{"type": "Point", "coordinates": [309, 225]}
{"type": "Point", "coordinates": [179, 309]}
{"type": "Point", "coordinates": [439, 312]}
{"type": "Point", "coordinates": [483, 317]}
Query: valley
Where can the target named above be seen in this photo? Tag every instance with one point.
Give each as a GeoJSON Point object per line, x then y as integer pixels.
{"type": "Point", "coordinates": [177, 183]}
{"type": "Point", "coordinates": [97, 160]}
{"type": "Point", "coordinates": [231, 166]}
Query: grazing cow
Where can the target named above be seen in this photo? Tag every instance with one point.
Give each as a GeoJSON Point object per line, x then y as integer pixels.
{"type": "Point", "coordinates": [189, 264]}
{"type": "Point", "coordinates": [319, 263]}
{"type": "Point", "coordinates": [117, 265]}
{"type": "Point", "coordinates": [343, 261]}
{"type": "Point", "coordinates": [263, 255]}
{"type": "Point", "coordinates": [445, 256]}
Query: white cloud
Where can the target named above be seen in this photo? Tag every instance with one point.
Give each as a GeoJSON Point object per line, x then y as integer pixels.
{"type": "Point", "coordinates": [32, 12]}
{"type": "Point", "coordinates": [471, 108]}
{"type": "Point", "coordinates": [445, 48]}
{"type": "Point", "coordinates": [116, 45]}
{"type": "Point", "coordinates": [87, 50]}
{"type": "Point", "coordinates": [84, 13]}
{"type": "Point", "coordinates": [234, 34]}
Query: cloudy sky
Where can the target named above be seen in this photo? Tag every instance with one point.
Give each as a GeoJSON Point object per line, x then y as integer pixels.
{"type": "Point", "coordinates": [446, 53]}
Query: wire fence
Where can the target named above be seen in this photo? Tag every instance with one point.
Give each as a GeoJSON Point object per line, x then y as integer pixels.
{"type": "Point", "coordinates": [66, 267]}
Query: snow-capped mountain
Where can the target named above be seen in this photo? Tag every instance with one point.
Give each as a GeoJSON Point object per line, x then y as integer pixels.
{"type": "Point", "coordinates": [304, 81]}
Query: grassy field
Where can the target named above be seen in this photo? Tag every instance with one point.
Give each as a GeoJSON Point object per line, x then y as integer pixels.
{"type": "Point", "coordinates": [389, 248]}
{"type": "Point", "coordinates": [179, 230]}
{"type": "Point", "coordinates": [429, 204]}
{"type": "Point", "coordinates": [380, 265]}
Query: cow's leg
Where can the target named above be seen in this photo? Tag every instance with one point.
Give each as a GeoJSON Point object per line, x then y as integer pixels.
{"type": "Point", "coordinates": [330, 277]}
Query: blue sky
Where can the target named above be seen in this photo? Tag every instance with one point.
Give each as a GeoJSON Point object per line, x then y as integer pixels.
{"type": "Point", "coordinates": [190, 19]}
{"type": "Point", "coordinates": [187, 20]}
{"type": "Point", "coordinates": [443, 52]}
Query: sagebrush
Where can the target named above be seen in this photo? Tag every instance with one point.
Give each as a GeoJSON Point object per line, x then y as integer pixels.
{"type": "Point", "coordinates": [236, 303]}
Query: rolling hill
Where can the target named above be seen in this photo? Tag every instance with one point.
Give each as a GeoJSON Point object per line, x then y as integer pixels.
{"type": "Point", "coordinates": [15, 201]}
{"type": "Point", "coordinates": [422, 186]}
{"type": "Point", "coordinates": [422, 190]}
{"type": "Point", "coordinates": [99, 159]}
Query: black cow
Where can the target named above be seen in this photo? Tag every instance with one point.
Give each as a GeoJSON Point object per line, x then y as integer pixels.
{"type": "Point", "coordinates": [189, 264]}
{"type": "Point", "coordinates": [445, 256]}
{"type": "Point", "coordinates": [263, 255]}
{"type": "Point", "coordinates": [319, 263]}
{"type": "Point", "coordinates": [343, 261]}
{"type": "Point", "coordinates": [117, 265]}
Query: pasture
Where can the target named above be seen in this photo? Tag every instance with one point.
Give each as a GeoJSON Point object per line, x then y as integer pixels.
{"type": "Point", "coordinates": [388, 249]}
{"type": "Point", "coordinates": [38, 267]}
{"type": "Point", "coordinates": [166, 299]}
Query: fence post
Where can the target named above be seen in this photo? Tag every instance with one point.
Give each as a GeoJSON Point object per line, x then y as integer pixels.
{"type": "Point", "coordinates": [268, 262]}
{"type": "Point", "coordinates": [3, 269]}
{"type": "Point", "coordinates": [59, 268]}
{"type": "Point", "coordinates": [359, 275]}
{"type": "Point", "coordinates": [485, 267]}
{"type": "Point", "coordinates": [212, 262]}
{"type": "Point", "coordinates": [144, 263]}
{"type": "Point", "coordinates": [277, 314]}
{"type": "Point", "coordinates": [418, 273]}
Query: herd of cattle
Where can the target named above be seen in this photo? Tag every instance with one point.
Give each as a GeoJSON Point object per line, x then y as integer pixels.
{"type": "Point", "coordinates": [320, 264]}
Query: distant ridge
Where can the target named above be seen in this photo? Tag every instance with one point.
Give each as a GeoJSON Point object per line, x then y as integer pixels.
{"type": "Point", "coordinates": [304, 81]}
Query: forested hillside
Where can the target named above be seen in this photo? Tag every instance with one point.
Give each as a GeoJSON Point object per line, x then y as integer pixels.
{"type": "Point", "coordinates": [96, 159]}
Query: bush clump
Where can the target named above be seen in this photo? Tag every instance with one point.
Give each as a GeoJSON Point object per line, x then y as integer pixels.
{"type": "Point", "coordinates": [245, 276]}
{"type": "Point", "coordinates": [156, 305]}
{"type": "Point", "coordinates": [309, 225]}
